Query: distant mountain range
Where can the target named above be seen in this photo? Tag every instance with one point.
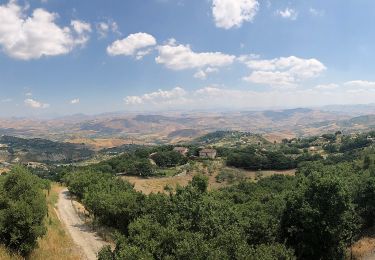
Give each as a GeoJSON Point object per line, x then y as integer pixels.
{"type": "Point", "coordinates": [173, 127]}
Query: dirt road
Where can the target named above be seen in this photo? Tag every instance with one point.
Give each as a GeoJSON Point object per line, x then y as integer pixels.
{"type": "Point", "coordinates": [82, 235]}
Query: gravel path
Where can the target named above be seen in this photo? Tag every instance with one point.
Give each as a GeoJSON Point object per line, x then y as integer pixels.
{"type": "Point", "coordinates": [82, 235]}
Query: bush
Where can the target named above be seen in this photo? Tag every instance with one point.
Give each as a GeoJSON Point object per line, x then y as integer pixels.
{"type": "Point", "coordinates": [23, 208]}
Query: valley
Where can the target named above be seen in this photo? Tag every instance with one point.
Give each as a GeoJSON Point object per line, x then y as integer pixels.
{"type": "Point", "coordinates": [118, 187]}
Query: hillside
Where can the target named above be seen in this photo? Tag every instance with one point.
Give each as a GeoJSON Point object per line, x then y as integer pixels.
{"type": "Point", "coordinates": [175, 127]}
{"type": "Point", "coordinates": [14, 149]}
{"type": "Point", "coordinates": [230, 139]}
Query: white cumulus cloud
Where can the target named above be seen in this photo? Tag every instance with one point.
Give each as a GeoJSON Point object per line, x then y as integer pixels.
{"type": "Point", "coordinates": [283, 72]}
{"type": "Point", "coordinates": [233, 13]}
{"type": "Point", "coordinates": [360, 83]}
{"type": "Point", "coordinates": [160, 97]}
{"type": "Point", "coordinates": [179, 57]}
{"type": "Point", "coordinates": [31, 37]}
{"type": "Point", "coordinates": [103, 28]}
{"type": "Point", "coordinates": [35, 104]}
{"type": "Point", "coordinates": [134, 45]}
{"type": "Point", "coordinates": [212, 97]}
{"type": "Point", "coordinates": [288, 13]}
{"type": "Point", "coordinates": [202, 74]}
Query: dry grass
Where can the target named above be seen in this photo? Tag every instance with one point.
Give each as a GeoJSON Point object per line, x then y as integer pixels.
{"type": "Point", "coordinates": [211, 170]}
{"type": "Point", "coordinates": [6, 255]}
{"type": "Point", "coordinates": [100, 143]}
{"type": "Point", "coordinates": [365, 247]}
{"type": "Point", "coordinates": [56, 244]}
{"type": "Point", "coordinates": [155, 185]}
{"type": "Point", "coordinates": [278, 136]}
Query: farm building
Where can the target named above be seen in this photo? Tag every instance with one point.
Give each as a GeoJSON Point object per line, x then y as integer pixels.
{"type": "Point", "coordinates": [181, 150]}
{"type": "Point", "coordinates": [207, 153]}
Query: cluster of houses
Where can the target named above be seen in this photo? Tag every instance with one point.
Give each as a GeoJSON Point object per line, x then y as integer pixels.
{"type": "Point", "coordinates": [205, 153]}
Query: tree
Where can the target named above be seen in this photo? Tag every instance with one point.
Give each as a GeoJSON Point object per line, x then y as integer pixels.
{"type": "Point", "coordinates": [169, 158]}
{"type": "Point", "coordinates": [200, 182]}
{"type": "Point", "coordinates": [366, 162]}
{"type": "Point", "coordinates": [318, 218]}
{"type": "Point", "coordinates": [23, 208]}
{"type": "Point", "coordinates": [365, 199]}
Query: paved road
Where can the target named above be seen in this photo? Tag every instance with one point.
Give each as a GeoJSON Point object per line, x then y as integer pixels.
{"type": "Point", "coordinates": [89, 243]}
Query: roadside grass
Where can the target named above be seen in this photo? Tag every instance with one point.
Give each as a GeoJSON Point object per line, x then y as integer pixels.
{"type": "Point", "coordinates": [364, 247]}
{"type": "Point", "coordinates": [6, 255]}
{"type": "Point", "coordinates": [56, 244]}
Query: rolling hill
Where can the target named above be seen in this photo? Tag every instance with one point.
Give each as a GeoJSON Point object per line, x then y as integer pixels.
{"type": "Point", "coordinates": [175, 127]}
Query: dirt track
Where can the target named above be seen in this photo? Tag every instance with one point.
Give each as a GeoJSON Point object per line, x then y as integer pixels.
{"type": "Point", "coordinates": [89, 243]}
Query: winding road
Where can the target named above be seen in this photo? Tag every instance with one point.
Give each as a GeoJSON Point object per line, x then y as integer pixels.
{"type": "Point", "coordinates": [83, 236]}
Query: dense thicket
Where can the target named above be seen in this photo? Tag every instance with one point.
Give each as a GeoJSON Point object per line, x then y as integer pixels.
{"type": "Point", "coordinates": [252, 159]}
{"type": "Point", "coordinates": [23, 208]}
{"type": "Point", "coordinates": [319, 219]}
{"type": "Point", "coordinates": [128, 163]}
{"type": "Point", "coordinates": [168, 159]}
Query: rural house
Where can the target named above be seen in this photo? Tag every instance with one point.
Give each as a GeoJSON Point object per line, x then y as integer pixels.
{"type": "Point", "coordinates": [207, 153]}
{"type": "Point", "coordinates": [181, 150]}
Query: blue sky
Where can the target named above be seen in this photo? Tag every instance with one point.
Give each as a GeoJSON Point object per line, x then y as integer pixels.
{"type": "Point", "coordinates": [88, 56]}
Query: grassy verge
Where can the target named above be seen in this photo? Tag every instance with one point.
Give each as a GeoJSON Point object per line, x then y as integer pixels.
{"type": "Point", "coordinates": [57, 243]}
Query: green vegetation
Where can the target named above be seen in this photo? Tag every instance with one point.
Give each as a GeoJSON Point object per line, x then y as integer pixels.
{"type": "Point", "coordinates": [168, 159]}
{"type": "Point", "coordinates": [316, 214]}
{"type": "Point", "coordinates": [127, 164]}
{"type": "Point", "coordinates": [42, 150]}
{"type": "Point", "coordinates": [251, 159]}
{"type": "Point", "coordinates": [23, 208]}
{"type": "Point", "coordinates": [230, 138]}
{"type": "Point", "coordinates": [320, 207]}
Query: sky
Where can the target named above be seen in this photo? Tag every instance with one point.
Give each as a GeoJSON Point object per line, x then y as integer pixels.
{"type": "Point", "coordinates": [90, 56]}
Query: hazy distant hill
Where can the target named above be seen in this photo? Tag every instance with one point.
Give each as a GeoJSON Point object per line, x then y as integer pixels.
{"type": "Point", "coordinates": [184, 126]}
{"type": "Point", "coordinates": [285, 114]}
{"type": "Point", "coordinates": [354, 110]}
{"type": "Point", "coordinates": [366, 121]}
{"type": "Point", "coordinates": [184, 133]}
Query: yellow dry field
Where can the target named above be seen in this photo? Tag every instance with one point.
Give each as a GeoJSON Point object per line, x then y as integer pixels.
{"type": "Point", "coordinates": [101, 143]}
{"type": "Point", "coordinates": [365, 247]}
{"type": "Point", "coordinates": [155, 185]}
{"type": "Point", "coordinates": [56, 244]}
{"type": "Point", "coordinates": [278, 136]}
